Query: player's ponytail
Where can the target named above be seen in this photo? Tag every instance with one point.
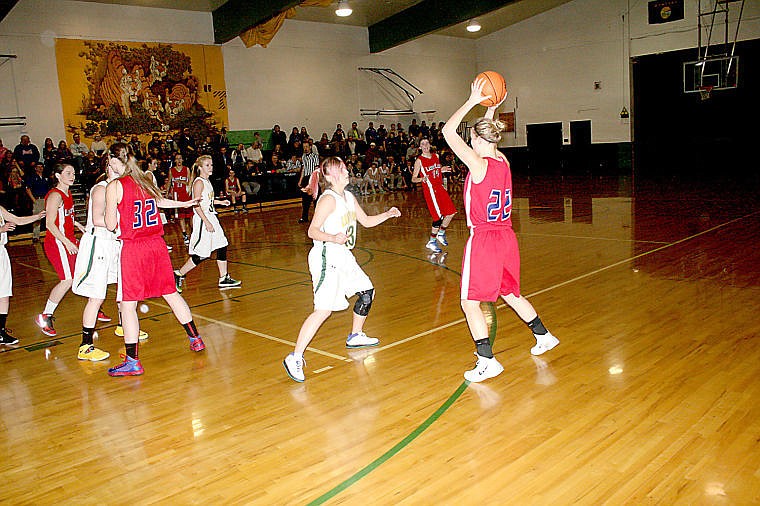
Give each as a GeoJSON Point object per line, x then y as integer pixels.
{"type": "Point", "coordinates": [144, 181]}
{"type": "Point", "coordinates": [195, 172]}
{"type": "Point", "coordinates": [489, 129]}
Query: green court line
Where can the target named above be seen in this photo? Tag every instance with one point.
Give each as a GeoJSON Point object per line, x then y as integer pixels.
{"type": "Point", "coordinates": [490, 308]}
{"type": "Point", "coordinates": [393, 451]}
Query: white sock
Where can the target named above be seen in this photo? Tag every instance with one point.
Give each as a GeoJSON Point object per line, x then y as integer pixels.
{"type": "Point", "coordinates": [298, 356]}
{"type": "Point", "coordinates": [50, 307]}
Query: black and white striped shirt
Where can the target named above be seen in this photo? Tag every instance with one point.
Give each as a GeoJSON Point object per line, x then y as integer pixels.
{"type": "Point", "coordinates": [310, 162]}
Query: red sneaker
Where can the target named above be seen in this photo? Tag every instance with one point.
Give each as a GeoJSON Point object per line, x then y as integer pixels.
{"type": "Point", "coordinates": [196, 344]}
{"type": "Point", "coordinates": [102, 317]}
{"type": "Point", "coordinates": [130, 367]}
{"type": "Point", "coordinates": [45, 322]}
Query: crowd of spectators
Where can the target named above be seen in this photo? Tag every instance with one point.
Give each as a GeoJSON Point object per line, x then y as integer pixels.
{"type": "Point", "coordinates": [378, 159]}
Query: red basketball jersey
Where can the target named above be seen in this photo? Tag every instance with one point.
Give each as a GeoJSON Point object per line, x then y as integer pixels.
{"type": "Point", "coordinates": [489, 203]}
{"type": "Point", "coordinates": [180, 178]}
{"type": "Point", "coordinates": [64, 219]}
{"type": "Point", "coordinates": [431, 167]}
{"type": "Point", "coordinates": [139, 216]}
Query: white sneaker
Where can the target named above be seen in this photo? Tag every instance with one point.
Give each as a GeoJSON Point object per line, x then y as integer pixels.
{"type": "Point", "coordinates": [544, 343]}
{"type": "Point", "coordinates": [294, 367]}
{"type": "Point", "coordinates": [433, 246]}
{"type": "Point", "coordinates": [361, 340]}
{"type": "Point", "coordinates": [484, 369]}
{"type": "Point", "coordinates": [442, 238]}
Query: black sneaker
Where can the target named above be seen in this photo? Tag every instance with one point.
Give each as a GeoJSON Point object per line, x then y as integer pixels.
{"type": "Point", "coordinates": [6, 337]}
{"type": "Point", "coordinates": [228, 282]}
{"type": "Point", "coordinates": [186, 239]}
{"type": "Point", "coordinates": [179, 282]}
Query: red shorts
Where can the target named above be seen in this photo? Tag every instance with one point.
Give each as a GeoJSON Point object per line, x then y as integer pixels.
{"type": "Point", "coordinates": [182, 196]}
{"type": "Point", "coordinates": [439, 203]}
{"type": "Point", "coordinates": [491, 265]}
{"type": "Point", "coordinates": [146, 270]}
{"type": "Point", "coordinates": [63, 262]}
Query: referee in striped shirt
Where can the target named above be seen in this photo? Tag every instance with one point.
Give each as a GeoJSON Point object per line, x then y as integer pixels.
{"type": "Point", "coordinates": [310, 161]}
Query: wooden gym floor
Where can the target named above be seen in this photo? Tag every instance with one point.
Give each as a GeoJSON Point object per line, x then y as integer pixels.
{"type": "Point", "coordinates": [651, 397]}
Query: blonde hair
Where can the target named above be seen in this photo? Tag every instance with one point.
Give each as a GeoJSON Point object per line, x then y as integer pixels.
{"type": "Point", "coordinates": [196, 170]}
{"type": "Point", "coordinates": [144, 180]}
{"type": "Point", "coordinates": [489, 129]}
{"type": "Point", "coordinates": [319, 179]}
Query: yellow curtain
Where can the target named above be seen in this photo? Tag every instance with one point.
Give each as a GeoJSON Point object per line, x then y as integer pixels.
{"type": "Point", "coordinates": [263, 33]}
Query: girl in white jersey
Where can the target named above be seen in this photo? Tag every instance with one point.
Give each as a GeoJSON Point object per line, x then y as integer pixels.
{"type": "Point", "coordinates": [207, 235]}
{"type": "Point", "coordinates": [8, 222]}
{"type": "Point", "coordinates": [334, 271]}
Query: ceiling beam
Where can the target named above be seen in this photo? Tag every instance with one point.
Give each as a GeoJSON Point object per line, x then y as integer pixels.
{"type": "Point", "coordinates": [235, 16]}
{"type": "Point", "coordinates": [5, 8]}
{"type": "Point", "coordinates": [425, 17]}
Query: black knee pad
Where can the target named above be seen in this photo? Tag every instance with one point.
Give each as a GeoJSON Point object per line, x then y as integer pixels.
{"type": "Point", "coordinates": [364, 302]}
{"type": "Point", "coordinates": [437, 223]}
{"type": "Point", "coordinates": [196, 259]}
{"type": "Point", "coordinates": [221, 254]}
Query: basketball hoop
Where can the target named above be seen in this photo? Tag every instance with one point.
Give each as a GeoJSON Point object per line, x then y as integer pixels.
{"type": "Point", "coordinates": [704, 92]}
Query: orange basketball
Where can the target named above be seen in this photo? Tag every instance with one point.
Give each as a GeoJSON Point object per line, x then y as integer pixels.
{"type": "Point", "coordinates": [495, 86]}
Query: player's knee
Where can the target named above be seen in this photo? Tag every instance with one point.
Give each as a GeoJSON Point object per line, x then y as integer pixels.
{"type": "Point", "coordinates": [196, 259]}
{"type": "Point", "coordinates": [437, 223]}
{"type": "Point", "coordinates": [364, 302]}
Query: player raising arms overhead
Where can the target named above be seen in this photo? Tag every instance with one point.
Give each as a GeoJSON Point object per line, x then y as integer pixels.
{"type": "Point", "coordinates": [132, 203]}
{"type": "Point", "coordinates": [491, 261]}
{"type": "Point", "coordinates": [334, 271]}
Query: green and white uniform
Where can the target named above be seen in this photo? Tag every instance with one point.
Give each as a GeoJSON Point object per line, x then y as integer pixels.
{"type": "Point", "coordinates": [97, 264]}
{"type": "Point", "coordinates": [334, 272]}
{"type": "Point", "coordinates": [203, 242]}
{"type": "Point", "coordinates": [6, 279]}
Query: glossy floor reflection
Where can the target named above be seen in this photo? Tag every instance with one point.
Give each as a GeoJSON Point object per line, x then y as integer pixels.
{"type": "Point", "coordinates": [651, 397]}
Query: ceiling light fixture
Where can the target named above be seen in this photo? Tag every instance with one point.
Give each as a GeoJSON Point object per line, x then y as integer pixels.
{"type": "Point", "coordinates": [343, 9]}
{"type": "Point", "coordinates": [473, 26]}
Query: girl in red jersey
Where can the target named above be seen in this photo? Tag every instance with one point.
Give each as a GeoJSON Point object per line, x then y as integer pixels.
{"type": "Point", "coordinates": [234, 191]}
{"type": "Point", "coordinates": [491, 262]}
{"type": "Point", "coordinates": [61, 246]}
{"type": "Point", "coordinates": [427, 170]}
{"type": "Point", "coordinates": [179, 182]}
{"type": "Point", "coordinates": [132, 202]}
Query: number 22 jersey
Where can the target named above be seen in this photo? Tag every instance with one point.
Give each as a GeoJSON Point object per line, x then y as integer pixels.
{"type": "Point", "coordinates": [489, 203]}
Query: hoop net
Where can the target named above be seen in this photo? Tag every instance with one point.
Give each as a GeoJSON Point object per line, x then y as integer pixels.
{"type": "Point", "coordinates": [704, 92]}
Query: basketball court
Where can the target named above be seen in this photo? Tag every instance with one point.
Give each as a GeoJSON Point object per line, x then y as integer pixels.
{"type": "Point", "coordinates": [652, 290]}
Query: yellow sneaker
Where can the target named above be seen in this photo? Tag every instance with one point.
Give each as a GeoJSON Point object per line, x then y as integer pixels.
{"type": "Point", "coordinates": [119, 331]}
{"type": "Point", "coordinates": [91, 353]}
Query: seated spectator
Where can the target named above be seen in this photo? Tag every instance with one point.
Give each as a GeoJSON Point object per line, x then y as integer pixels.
{"type": "Point", "coordinates": [324, 146]}
{"type": "Point", "coordinates": [63, 153]}
{"type": "Point", "coordinates": [98, 146]}
{"type": "Point", "coordinates": [26, 153]}
{"type": "Point", "coordinates": [16, 196]}
{"type": "Point", "coordinates": [250, 186]}
{"type": "Point", "coordinates": [253, 153]}
{"type": "Point", "coordinates": [234, 190]}
{"type": "Point", "coordinates": [91, 170]}
{"type": "Point", "coordinates": [294, 164]}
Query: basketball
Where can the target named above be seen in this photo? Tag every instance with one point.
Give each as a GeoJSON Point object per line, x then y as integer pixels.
{"type": "Point", "coordinates": [144, 308]}
{"type": "Point", "coordinates": [495, 86]}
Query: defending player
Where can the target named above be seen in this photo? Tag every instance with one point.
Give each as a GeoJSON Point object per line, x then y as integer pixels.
{"type": "Point", "coordinates": [207, 235]}
{"type": "Point", "coordinates": [427, 170]}
{"type": "Point", "coordinates": [8, 222]}
{"type": "Point", "coordinates": [334, 271]}
{"type": "Point", "coordinates": [96, 267]}
{"type": "Point", "coordinates": [491, 261]}
{"type": "Point", "coordinates": [132, 203]}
